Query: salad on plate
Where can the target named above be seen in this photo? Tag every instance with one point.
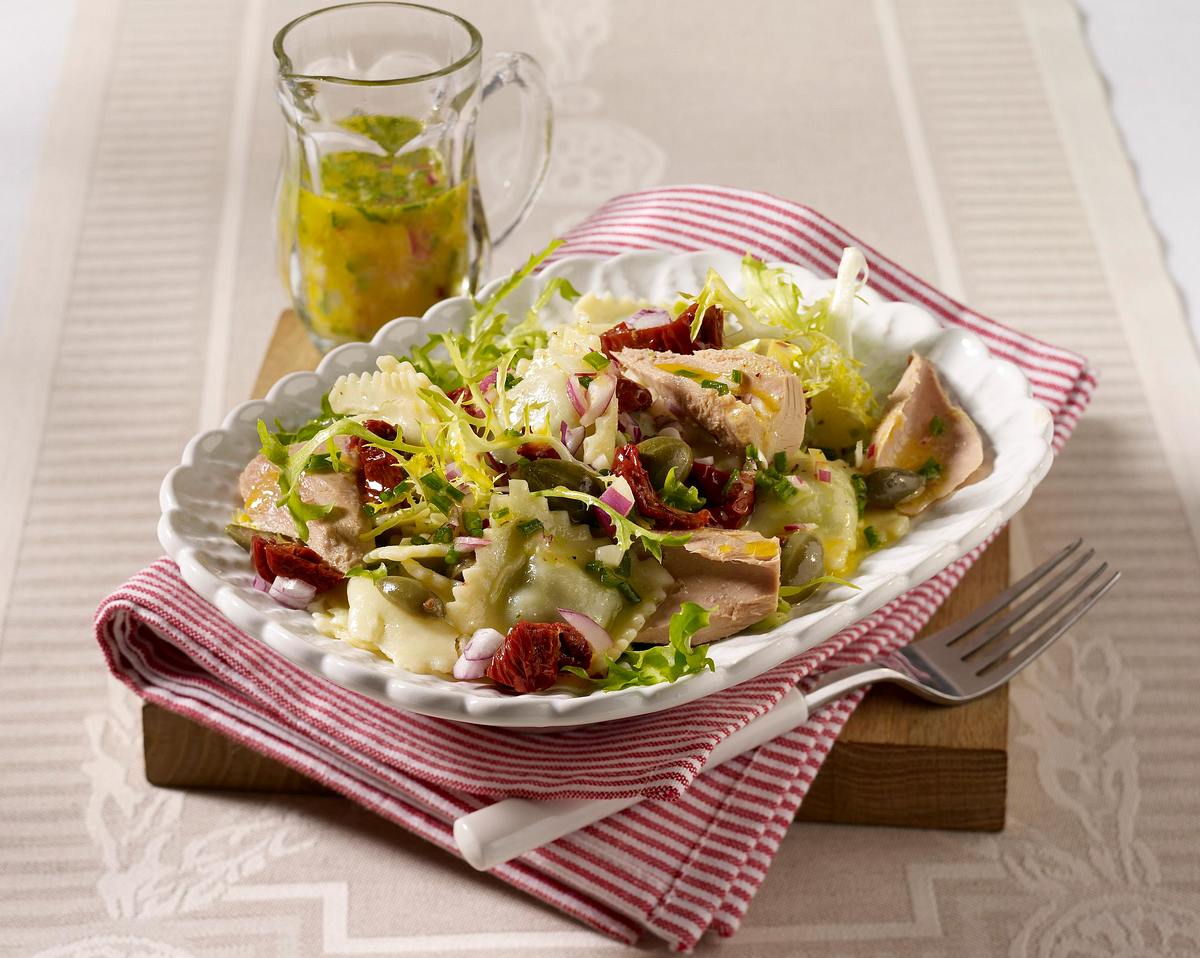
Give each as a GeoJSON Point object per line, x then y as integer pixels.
{"type": "Point", "coordinates": [582, 497]}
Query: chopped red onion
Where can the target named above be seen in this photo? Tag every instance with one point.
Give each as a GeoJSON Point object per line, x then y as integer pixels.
{"type": "Point", "coordinates": [453, 471]}
{"type": "Point", "coordinates": [800, 483]}
{"type": "Point", "coordinates": [494, 462]}
{"type": "Point", "coordinates": [482, 645]}
{"type": "Point", "coordinates": [589, 628]}
{"type": "Point", "coordinates": [629, 427]}
{"type": "Point", "coordinates": [488, 381]}
{"type": "Point", "coordinates": [466, 669]}
{"type": "Point", "coordinates": [470, 543]}
{"type": "Point", "coordinates": [574, 439]}
{"type": "Point", "coordinates": [600, 395]}
{"type": "Point", "coordinates": [619, 496]}
{"type": "Point", "coordinates": [261, 584]}
{"type": "Point", "coordinates": [578, 403]}
{"type": "Point", "coordinates": [871, 451]}
{"type": "Point", "coordinates": [824, 475]}
{"type": "Point", "coordinates": [294, 593]}
{"type": "Point", "coordinates": [648, 319]}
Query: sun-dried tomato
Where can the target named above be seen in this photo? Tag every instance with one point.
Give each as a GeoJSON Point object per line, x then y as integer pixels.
{"type": "Point", "coordinates": [631, 396]}
{"type": "Point", "coordinates": [628, 465]}
{"type": "Point", "coordinates": [675, 336]}
{"type": "Point", "coordinates": [575, 648]}
{"type": "Point", "coordinates": [292, 561]}
{"type": "Point", "coordinates": [730, 500]}
{"type": "Point", "coordinates": [463, 395]}
{"type": "Point", "coordinates": [532, 654]}
{"type": "Point", "coordinates": [378, 469]}
{"type": "Point", "coordinates": [537, 450]}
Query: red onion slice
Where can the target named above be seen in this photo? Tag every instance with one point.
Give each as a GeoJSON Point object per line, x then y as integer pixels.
{"type": "Point", "coordinates": [589, 628]}
{"type": "Point", "coordinates": [466, 669]}
{"type": "Point", "coordinates": [261, 584]}
{"type": "Point", "coordinates": [294, 593]}
{"type": "Point", "coordinates": [470, 543]}
{"type": "Point", "coordinates": [648, 319]}
{"type": "Point", "coordinates": [600, 396]}
{"type": "Point", "coordinates": [824, 475]}
{"type": "Point", "coordinates": [574, 439]}
{"type": "Point", "coordinates": [488, 381]}
{"type": "Point", "coordinates": [629, 427]}
{"type": "Point", "coordinates": [483, 645]}
{"type": "Point", "coordinates": [619, 496]}
{"type": "Point", "coordinates": [453, 471]}
{"type": "Point", "coordinates": [578, 403]}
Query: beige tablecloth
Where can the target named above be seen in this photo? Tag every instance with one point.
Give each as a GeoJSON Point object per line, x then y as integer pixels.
{"type": "Point", "coordinates": [969, 139]}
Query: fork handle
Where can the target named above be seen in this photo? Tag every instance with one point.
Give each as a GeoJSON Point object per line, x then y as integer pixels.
{"type": "Point", "coordinates": [503, 830]}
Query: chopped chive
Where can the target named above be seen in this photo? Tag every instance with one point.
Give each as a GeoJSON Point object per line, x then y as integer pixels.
{"type": "Point", "coordinates": [860, 492]}
{"type": "Point", "coordinates": [596, 360]}
{"type": "Point", "coordinates": [586, 381]}
{"type": "Point", "coordinates": [628, 592]}
{"type": "Point", "coordinates": [472, 523]}
{"type": "Point", "coordinates": [736, 376]}
{"type": "Point", "coordinates": [501, 513]}
{"type": "Point", "coordinates": [872, 537]}
{"type": "Point", "coordinates": [930, 469]}
{"type": "Point", "coordinates": [441, 503]}
{"type": "Point", "coordinates": [530, 526]}
{"type": "Point", "coordinates": [779, 463]}
{"type": "Point", "coordinates": [686, 373]}
{"type": "Point", "coordinates": [510, 380]}
{"type": "Point", "coordinates": [936, 426]}
{"type": "Point", "coordinates": [418, 540]}
{"type": "Point", "coordinates": [720, 388]}
{"type": "Point", "coordinates": [443, 535]}
{"type": "Point", "coordinates": [455, 493]}
{"type": "Point", "coordinates": [453, 556]}
{"type": "Point", "coordinates": [433, 482]}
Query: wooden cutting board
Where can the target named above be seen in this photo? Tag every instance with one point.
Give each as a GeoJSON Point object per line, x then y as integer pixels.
{"type": "Point", "coordinates": [899, 761]}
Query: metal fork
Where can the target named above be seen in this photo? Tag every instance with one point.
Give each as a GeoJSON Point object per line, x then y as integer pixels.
{"type": "Point", "coordinates": [962, 662]}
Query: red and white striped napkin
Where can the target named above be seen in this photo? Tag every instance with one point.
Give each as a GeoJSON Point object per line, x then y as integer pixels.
{"type": "Point", "coordinates": [691, 857]}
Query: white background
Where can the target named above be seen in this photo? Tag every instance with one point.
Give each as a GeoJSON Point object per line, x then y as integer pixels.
{"type": "Point", "coordinates": [1146, 52]}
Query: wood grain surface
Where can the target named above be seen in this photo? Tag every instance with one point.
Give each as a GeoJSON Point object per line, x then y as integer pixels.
{"type": "Point", "coordinates": [899, 761]}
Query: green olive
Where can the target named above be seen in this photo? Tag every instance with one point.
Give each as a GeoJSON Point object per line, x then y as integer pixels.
{"type": "Point", "coordinates": [888, 487]}
{"type": "Point", "coordinates": [802, 559]}
{"type": "Point", "coordinates": [551, 473]}
{"type": "Point", "coordinates": [661, 454]}
{"type": "Point", "coordinates": [411, 595]}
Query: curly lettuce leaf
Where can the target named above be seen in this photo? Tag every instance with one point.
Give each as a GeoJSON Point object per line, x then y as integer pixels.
{"type": "Point", "coordinates": [660, 663]}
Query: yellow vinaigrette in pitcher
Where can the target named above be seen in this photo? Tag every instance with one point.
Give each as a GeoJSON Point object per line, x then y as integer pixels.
{"type": "Point", "coordinates": [381, 236]}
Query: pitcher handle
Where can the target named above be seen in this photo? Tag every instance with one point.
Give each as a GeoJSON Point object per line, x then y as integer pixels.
{"type": "Point", "coordinates": [524, 181]}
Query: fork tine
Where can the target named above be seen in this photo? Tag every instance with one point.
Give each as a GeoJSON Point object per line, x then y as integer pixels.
{"type": "Point", "coordinates": [1041, 642]}
{"type": "Point", "coordinates": [1017, 613]}
{"type": "Point", "coordinates": [952, 633]}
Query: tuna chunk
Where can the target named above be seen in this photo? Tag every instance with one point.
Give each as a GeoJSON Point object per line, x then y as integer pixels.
{"type": "Point", "coordinates": [732, 573]}
{"type": "Point", "coordinates": [335, 538]}
{"type": "Point", "coordinates": [765, 408]}
{"type": "Point", "coordinates": [923, 430]}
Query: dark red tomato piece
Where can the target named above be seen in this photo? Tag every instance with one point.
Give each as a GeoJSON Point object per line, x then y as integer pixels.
{"type": "Point", "coordinates": [537, 450]}
{"type": "Point", "coordinates": [462, 395]}
{"type": "Point", "coordinates": [532, 653]}
{"type": "Point", "coordinates": [627, 464]}
{"type": "Point", "coordinates": [730, 500]}
{"type": "Point", "coordinates": [675, 336]}
{"type": "Point", "coordinates": [631, 396]}
{"type": "Point", "coordinates": [378, 469]}
{"type": "Point", "coordinates": [293, 561]}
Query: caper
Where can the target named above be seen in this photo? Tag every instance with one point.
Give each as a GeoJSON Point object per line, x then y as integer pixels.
{"type": "Point", "coordinates": [661, 454]}
{"type": "Point", "coordinates": [410, 594]}
{"type": "Point", "coordinates": [802, 559]}
{"type": "Point", "coordinates": [888, 487]}
{"type": "Point", "coordinates": [551, 473]}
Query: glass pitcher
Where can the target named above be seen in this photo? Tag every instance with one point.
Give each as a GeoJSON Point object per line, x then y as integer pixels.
{"type": "Point", "coordinates": [379, 209]}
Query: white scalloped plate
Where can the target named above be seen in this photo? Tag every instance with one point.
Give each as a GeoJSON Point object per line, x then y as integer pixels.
{"type": "Point", "coordinates": [199, 496]}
